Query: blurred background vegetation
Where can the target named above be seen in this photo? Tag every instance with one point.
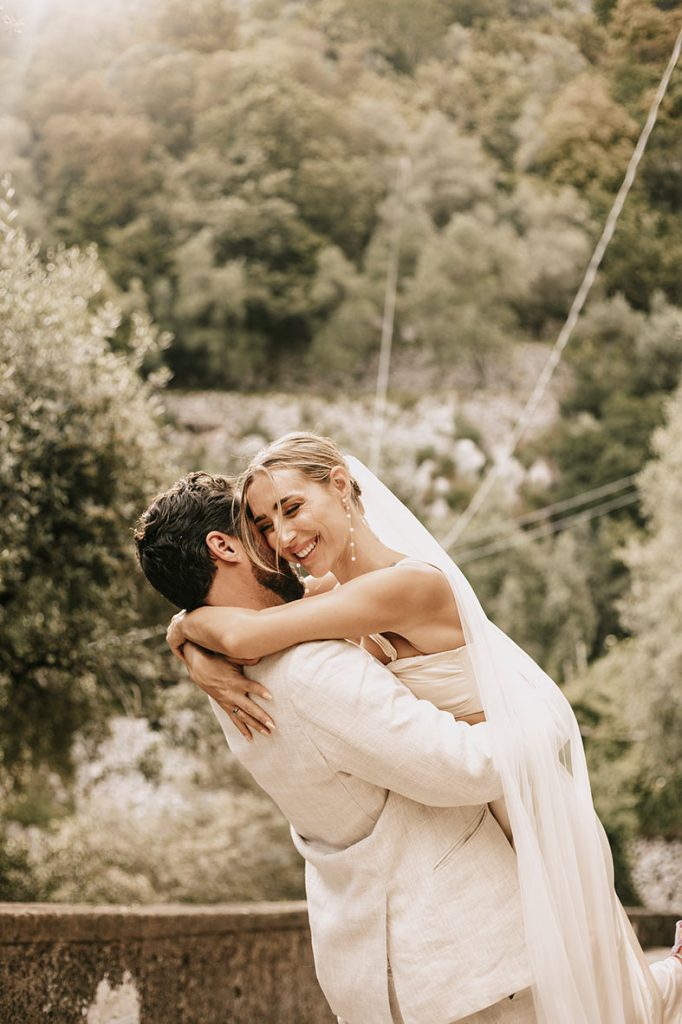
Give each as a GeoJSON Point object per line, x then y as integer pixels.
{"type": "Point", "coordinates": [198, 218]}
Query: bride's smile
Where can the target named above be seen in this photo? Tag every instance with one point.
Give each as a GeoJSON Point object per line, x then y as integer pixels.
{"type": "Point", "coordinates": [307, 551]}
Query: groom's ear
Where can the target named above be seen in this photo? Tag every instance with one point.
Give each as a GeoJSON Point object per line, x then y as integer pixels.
{"type": "Point", "coordinates": [224, 547]}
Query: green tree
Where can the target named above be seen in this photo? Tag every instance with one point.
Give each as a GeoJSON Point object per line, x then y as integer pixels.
{"type": "Point", "coordinates": [554, 245]}
{"type": "Point", "coordinates": [542, 595]}
{"type": "Point", "coordinates": [96, 168]}
{"type": "Point", "coordinates": [624, 362]}
{"type": "Point", "coordinates": [81, 453]}
{"type": "Point", "coordinates": [159, 86]}
{"type": "Point", "coordinates": [266, 135]}
{"type": "Point", "coordinates": [450, 171]}
{"type": "Point", "coordinates": [348, 316]}
{"type": "Point", "coordinates": [498, 79]}
{"type": "Point", "coordinates": [586, 137]}
{"type": "Point", "coordinates": [606, 700]}
{"type": "Point", "coordinates": [645, 254]}
{"type": "Point", "coordinates": [652, 610]}
{"type": "Point", "coordinates": [628, 701]}
{"type": "Point", "coordinates": [210, 312]}
{"type": "Point", "coordinates": [281, 172]}
{"type": "Point", "coordinates": [204, 25]}
{"type": "Point", "coordinates": [460, 299]}
{"type": "Point", "coordinates": [403, 32]}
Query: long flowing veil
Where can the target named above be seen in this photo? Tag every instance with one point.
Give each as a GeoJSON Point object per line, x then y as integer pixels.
{"type": "Point", "coordinates": [587, 965]}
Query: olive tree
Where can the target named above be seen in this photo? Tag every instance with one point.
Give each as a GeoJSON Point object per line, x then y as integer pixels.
{"type": "Point", "coordinates": [652, 609]}
{"type": "Point", "coordinates": [80, 453]}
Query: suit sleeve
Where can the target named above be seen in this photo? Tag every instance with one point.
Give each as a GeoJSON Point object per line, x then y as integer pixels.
{"type": "Point", "coordinates": [369, 725]}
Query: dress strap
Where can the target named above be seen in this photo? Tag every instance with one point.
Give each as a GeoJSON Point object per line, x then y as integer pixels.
{"type": "Point", "coordinates": [385, 645]}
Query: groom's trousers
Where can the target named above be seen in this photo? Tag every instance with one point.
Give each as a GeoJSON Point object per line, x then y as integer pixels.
{"type": "Point", "coordinates": [519, 1008]}
{"type": "Point", "coordinates": [516, 1009]}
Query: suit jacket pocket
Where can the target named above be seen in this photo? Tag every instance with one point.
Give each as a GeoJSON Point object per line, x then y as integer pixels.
{"type": "Point", "coordinates": [462, 840]}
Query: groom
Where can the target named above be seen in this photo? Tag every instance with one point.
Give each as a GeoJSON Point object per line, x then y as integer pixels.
{"type": "Point", "coordinates": [411, 884]}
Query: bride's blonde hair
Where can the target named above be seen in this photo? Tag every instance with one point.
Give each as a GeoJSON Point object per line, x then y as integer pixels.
{"type": "Point", "coordinates": [311, 454]}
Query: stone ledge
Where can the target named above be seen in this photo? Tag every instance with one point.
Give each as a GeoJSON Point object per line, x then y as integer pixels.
{"type": "Point", "coordinates": [58, 922]}
{"type": "Point", "coordinates": [247, 963]}
{"type": "Point", "coordinates": [653, 927]}
{"type": "Point", "coordinates": [65, 922]}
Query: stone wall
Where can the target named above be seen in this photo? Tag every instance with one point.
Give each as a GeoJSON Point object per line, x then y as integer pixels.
{"type": "Point", "coordinates": [236, 964]}
{"type": "Point", "coordinates": [655, 930]}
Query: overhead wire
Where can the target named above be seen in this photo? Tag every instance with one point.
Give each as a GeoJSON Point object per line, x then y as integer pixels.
{"type": "Point", "coordinates": [499, 529]}
{"type": "Point", "coordinates": [566, 331]}
{"type": "Point", "coordinates": [548, 529]}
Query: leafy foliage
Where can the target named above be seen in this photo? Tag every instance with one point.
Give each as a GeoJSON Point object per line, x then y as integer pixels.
{"type": "Point", "coordinates": [624, 364]}
{"type": "Point", "coordinates": [542, 596]}
{"type": "Point", "coordinates": [652, 610]}
{"type": "Point", "coordinates": [629, 701]}
{"type": "Point", "coordinates": [158, 815]}
{"type": "Point", "coordinates": [81, 449]}
{"type": "Point", "coordinates": [218, 153]}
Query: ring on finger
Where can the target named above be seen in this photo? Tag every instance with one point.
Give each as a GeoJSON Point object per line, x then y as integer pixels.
{"type": "Point", "coordinates": [235, 710]}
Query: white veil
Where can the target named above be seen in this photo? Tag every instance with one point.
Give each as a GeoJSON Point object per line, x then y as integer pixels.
{"type": "Point", "coordinates": [587, 965]}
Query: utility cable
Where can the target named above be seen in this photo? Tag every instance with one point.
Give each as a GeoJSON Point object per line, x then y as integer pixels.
{"type": "Point", "coordinates": [558, 526]}
{"type": "Point", "coordinates": [499, 530]}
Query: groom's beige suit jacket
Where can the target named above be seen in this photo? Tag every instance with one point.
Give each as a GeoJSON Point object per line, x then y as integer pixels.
{"type": "Point", "coordinates": [405, 865]}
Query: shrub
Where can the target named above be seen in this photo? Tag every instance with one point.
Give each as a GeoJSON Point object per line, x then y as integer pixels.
{"type": "Point", "coordinates": [158, 815]}
{"type": "Point", "coordinates": [80, 453]}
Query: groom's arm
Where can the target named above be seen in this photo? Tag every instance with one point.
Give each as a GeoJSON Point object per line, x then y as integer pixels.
{"type": "Point", "coordinates": [369, 725]}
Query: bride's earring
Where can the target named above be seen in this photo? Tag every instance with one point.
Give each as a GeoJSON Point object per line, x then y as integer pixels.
{"type": "Point", "coordinates": [351, 529]}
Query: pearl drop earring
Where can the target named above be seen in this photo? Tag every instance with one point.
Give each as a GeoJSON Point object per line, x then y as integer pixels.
{"type": "Point", "coordinates": [351, 529]}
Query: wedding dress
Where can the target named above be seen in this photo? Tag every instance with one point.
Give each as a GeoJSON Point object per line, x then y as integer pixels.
{"type": "Point", "coordinates": [445, 679]}
{"type": "Point", "coordinates": [587, 964]}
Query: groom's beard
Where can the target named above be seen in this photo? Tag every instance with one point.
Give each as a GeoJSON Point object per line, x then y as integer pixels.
{"type": "Point", "coordinates": [284, 584]}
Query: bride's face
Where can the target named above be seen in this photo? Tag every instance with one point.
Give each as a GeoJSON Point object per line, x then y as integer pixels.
{"type": "Point", "coordinates": [304, 520]}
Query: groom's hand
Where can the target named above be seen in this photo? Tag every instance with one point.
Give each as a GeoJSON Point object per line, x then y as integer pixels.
{"type": "Point", "coordinates": [229, 688]}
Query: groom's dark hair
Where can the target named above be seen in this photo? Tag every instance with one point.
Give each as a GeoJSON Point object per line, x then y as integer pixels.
{"type": "Point", "coordinates": [171, 536]}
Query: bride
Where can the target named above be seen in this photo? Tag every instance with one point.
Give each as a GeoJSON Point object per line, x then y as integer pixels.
{"type": "Point", "coordinates": [378, 577]}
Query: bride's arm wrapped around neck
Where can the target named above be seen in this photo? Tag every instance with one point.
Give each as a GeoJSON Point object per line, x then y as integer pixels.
{"type": "Point", "coordinates": [394, 600]}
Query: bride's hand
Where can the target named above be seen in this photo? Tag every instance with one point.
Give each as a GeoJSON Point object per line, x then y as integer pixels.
{"type": "Point", "coordinates": [229, 688]}
{"type": "Point", "coordinates": [175, 636]}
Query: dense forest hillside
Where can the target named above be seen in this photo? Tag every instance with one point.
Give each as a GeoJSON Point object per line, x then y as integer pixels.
{"type": "Point", "coordinates": [244, 168]}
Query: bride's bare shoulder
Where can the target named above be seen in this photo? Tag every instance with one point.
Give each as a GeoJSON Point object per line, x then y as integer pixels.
{"type": "Point", "coordinates": [427, 579]}
{"type": "Point", "coordinates": [422, 570]}
{"type": "Point", "coordinates": [426, 583]}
